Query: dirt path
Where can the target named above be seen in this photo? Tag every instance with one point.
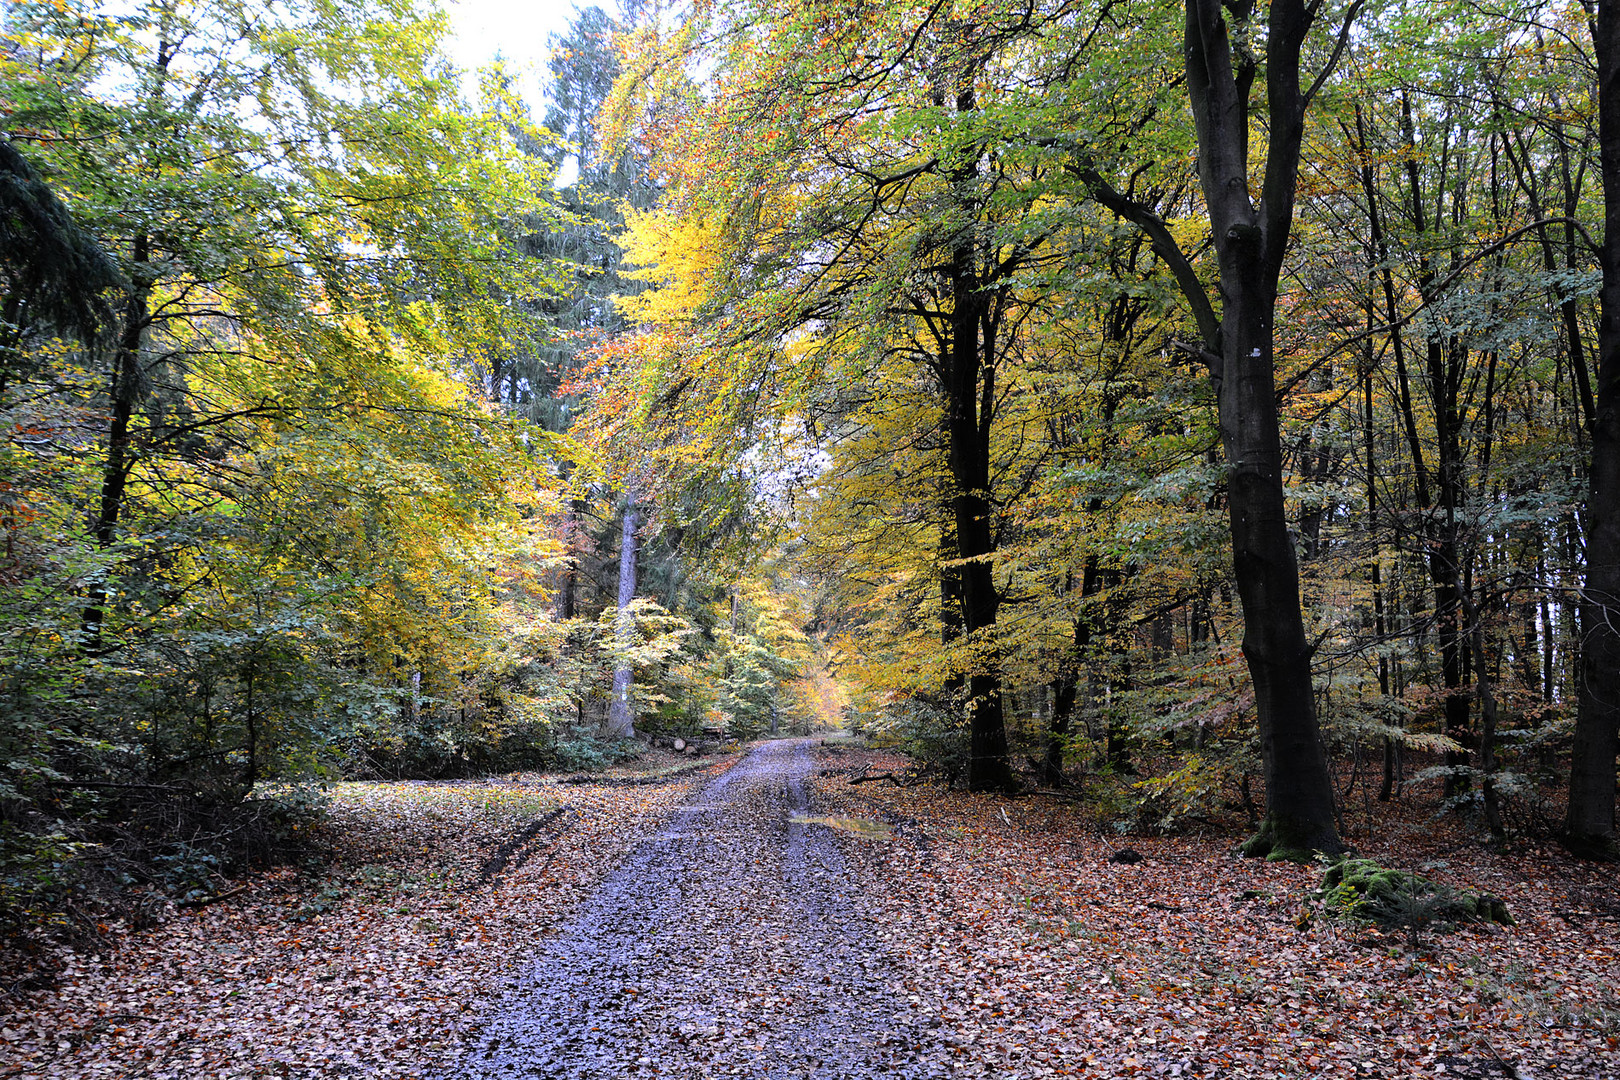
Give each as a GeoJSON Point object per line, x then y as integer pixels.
{"type": "Point", "coordinates": [735, 941]}
{"type": "Point", "coordinates": [691, 931]}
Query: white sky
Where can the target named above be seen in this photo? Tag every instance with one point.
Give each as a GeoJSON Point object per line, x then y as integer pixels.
{"type": "Point", "coordinates": [517, 30]}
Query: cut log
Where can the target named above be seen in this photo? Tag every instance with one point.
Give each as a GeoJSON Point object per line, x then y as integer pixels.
{"type": "Point", "coordinates": [679, 744]}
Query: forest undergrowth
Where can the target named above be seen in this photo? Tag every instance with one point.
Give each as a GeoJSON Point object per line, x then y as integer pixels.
{"type": "Point", "coordinates": [1041, 954]}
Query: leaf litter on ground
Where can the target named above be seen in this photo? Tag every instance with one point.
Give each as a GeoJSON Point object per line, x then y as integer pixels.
{"type": "Point", "coordinates": [376, 966]}
{"type": "Point", "coordinates": [1038, 955]}
{"type": "Point", "coordinates": [1046, 958]}
{"type": "Point", "coordinates": [854, 826]}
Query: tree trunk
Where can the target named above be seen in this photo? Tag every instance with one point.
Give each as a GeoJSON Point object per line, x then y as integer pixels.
{"type": "Point", "coordinates": [1488, 717]}
{"type": "Point", "coordinates": [968, 378]}
{"type": "Point", "coordinates": [967, 420]}
{"type": "Point", "coordinates": [1380, 624]}
{"type": "Point", "coordinates": [124, 391]}
{"type": "Point", "coordinates": [1592, 765]}
{"type": "Point", "coordinates": [1444, 359]}
{"type": "Point", "coordinates": [1445, 559]}
{"type": "Point", "coordinates": [1065, 688]}
{"type": "Point", "coordinates": [1299, 797]}
{"type": "Point", "coordinates": [950, 604]}
{"type": "Point", "coordinates": [1249, 241]}
{"type": "Point", "coordinates": [568, 594]}
{"type": "Point", "coordinates": [621, 718]}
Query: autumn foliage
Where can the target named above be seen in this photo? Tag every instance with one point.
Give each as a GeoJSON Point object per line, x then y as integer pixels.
{"type": "Point", "coordinates": [1197, 417]}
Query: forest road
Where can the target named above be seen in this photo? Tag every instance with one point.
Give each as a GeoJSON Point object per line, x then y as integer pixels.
{"type": "Point", "coordinates": [735, 942]}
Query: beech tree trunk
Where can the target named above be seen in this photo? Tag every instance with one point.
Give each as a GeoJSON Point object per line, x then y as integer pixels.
{"type": "Point", "coordinates": [1066, 686]}
{"type": "Point", "coordinates": [970, 397]}
{"type": "Point", "coordinates": [621, 720]}
{"type": "Point", "coordinates": [1592, 765]}
{"type": "Point", "coordinates": [967, 337]}
{"type": "Point", "coordinates": [568, 594]}
{"type": "Point", "coordinates": [1249, 241]}
{"type": "Point", "coordinates": [1437, 523]}
{"type": "Point", "coordinates": [1445, 359]}
{"type": "Point", "coordinates": [950, 600]}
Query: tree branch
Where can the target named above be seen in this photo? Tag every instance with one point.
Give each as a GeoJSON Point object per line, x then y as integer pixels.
{"type": "Point", "coordinates": [1164, 245]}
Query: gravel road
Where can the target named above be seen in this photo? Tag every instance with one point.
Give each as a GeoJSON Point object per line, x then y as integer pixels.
{"type": "Point", "coordinates": [735, 942]}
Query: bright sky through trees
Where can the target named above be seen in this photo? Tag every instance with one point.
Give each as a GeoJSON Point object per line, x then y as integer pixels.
{"type": "Point", "coordinates": [518, 31]}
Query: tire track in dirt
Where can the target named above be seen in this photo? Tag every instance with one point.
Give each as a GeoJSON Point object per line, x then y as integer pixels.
{"type": "Point", "coordinates": [736, 941]}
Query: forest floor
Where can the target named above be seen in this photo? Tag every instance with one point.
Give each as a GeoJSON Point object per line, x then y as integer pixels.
{"type": "Point", "coordinates": [775, 920]}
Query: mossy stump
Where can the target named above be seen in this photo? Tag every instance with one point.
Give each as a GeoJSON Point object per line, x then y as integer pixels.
{"type": "Point", "coordinates": [1361, 890]}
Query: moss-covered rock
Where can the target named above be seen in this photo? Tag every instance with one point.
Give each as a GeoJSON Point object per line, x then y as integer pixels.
{"type": "Point", "coordinates": [1361, 890]}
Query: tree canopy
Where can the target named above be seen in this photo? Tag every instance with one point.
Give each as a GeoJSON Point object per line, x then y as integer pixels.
{"type": "Point", "coordinates": [959, 268]}
{"type": "Point", "coordinates": [1207, 407]}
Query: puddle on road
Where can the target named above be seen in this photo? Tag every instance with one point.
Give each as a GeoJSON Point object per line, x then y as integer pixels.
{"type": "Point", "coordinates": [862, 827]}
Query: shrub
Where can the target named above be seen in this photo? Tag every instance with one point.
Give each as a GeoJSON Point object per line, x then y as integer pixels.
{"type": "Point", "coordinates": [38, 877]}
{"type": "Point", "coordinates": [62, 877]}
{"type": "Point", "coordinates": [1195, 790]}
{"type": "Point", "coordinates": [934, 735]}
{"type": "Point", "coordinates": [585, 749]}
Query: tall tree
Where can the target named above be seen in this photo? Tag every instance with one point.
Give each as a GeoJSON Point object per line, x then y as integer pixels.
{"type": "Point", "coordinates": [1597, 727]}
{"type": "Point", "coordinates": [1250, 241]}
{"type": "Point", "coordinates": [621, 716]}
{"type": "Point", "coordinates": [54, 277]}
{"type": "Point", "coordinates": [311, 231]}
{"type": "Point", "coordinates": [1223, 64]}
{"type": "Point", "coordinates": [899, 238]}
{"type": "Point", "coordinates": [582, 66]}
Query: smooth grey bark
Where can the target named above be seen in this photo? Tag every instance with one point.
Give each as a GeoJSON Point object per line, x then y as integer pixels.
{"type": "Point", "coordinates": [621, 720]}
{"type": "Point", "coordinates": [1590, 822]}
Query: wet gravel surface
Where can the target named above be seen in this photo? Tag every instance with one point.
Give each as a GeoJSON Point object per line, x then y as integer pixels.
{"type": "Point", "coordinates": [735, 942]}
